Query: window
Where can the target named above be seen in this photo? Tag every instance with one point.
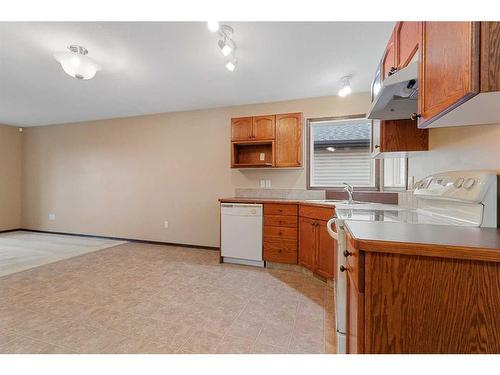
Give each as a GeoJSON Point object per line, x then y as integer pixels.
{"type": "Point", "coordinates": [394, 173]}
{"type": "Point", "coordinates": [340, 151]}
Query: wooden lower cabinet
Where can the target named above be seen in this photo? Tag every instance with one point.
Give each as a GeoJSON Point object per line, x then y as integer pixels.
{"type": "Point", "coordinates": [307, 242]}
{"type": "Point", "coordinates": [422, 304]}
{"type": "Point", "coordinates": [317, 250]}
{"type": "Point", "coordinates": [355, 317]}
{"type": "Point", "coordinates": [325, 252]}
{"type": "Point", "coordinates": [280, 233]}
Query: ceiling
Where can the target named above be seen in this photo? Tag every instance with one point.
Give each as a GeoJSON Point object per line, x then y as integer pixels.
{"type": "Point", "coordinates": [153, 67]}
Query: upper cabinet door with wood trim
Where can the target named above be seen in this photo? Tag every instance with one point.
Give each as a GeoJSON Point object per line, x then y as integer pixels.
{"type": "Point", "coordinates": [389, 58]}
{"type": "Point", "coordinates": [241, 129]}
{"type": "Point", "coordinates": [289, 140]}
{"type": "Point", "coordinates": [449, 67]}
{"type": "Point", "coordinates": [490, 56]}
{"type": "Point", "coordinates": [407, 38]}
{"type": "Point", "coordinates": [263, 127]}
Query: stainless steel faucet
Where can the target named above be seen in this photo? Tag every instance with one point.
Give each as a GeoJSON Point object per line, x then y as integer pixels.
{"type": "Point", "coordinates": [350, 190]}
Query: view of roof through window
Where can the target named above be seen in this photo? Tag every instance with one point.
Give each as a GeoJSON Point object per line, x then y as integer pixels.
{"type": "Point", "coordinates": [340, 153]}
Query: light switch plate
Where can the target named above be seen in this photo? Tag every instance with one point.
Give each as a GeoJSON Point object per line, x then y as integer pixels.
{"type": "Point", "coordinates": [165, 224]}
{"type": "Point", "coordinates": [52, 217]}
{"type": "Point", "coordinates": [262, 156]}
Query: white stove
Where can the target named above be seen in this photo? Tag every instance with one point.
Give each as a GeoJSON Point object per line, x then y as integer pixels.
{"type": "Point", "coordinates": [465, 198]}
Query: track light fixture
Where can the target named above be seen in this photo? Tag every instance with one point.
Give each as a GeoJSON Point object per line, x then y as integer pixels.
{"type": "Point", "coordinates": [226, 44]}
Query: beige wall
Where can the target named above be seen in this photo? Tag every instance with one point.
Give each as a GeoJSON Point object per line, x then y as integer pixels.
{"type": "Point", "coordinates": [125, 177]}
{"type": "Point", "coordinates": [10, 177]}
{"type": "Point", "coordinates": [456, 148]}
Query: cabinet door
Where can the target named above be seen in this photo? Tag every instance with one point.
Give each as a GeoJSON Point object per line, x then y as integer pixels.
{"type": "Point", "coordinates": [407, 38]}
{"type": "Point", "coordinates": [241, 129]}
{"type": "Point", "coordinates": [289, 140]}
{"type": "Point", "coordinates": [389, 58]}
{"type": "Point", "coordinates": [449, 67]}
{"type": "Point", "coordinates": [307, 242]}
{"type": "Point", "coordinates": [354, 315]}
{"type": "Point", "coordinates": [326, 252]}
{"type": "Point", "coordinates": [263, 127]}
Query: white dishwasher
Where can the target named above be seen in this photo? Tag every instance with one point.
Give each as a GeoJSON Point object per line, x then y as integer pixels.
{"type": "Point", "coordinates": [241, 233]}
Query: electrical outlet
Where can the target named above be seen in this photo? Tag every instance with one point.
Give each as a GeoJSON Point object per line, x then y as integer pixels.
{"type": "Point", "coordinates": [165, 224]}
{"type": "Point", "coordinates": [262, 156]}
{"type": "Point", "coordinates": [262, 183]}
{"type": "Point", "coordinates": [268, 184]}
{"type": "Point", "coordinates": [52, 217]}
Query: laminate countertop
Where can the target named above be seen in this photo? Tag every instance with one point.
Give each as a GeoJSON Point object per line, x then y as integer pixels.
{"type": "Point", "coordinates": [320, 203]}
{"type": "Point", "coordinates": [456, 242]}
{"type": "Point", "coordinates": [316, 202]}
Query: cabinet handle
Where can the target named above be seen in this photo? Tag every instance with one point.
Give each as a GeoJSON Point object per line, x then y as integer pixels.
{"type": "Point", "coordinates": [415, 116]}
{"type": "Point", "coordinates": [343, 269]}
{"type": "Point", "coordinates": [377, 146]}
{"type": "Point", "coordinates": [347, 253]}
{"type": "Point", "coordinates": [392, 71]}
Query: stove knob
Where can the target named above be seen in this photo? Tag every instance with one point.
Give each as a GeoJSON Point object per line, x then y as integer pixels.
{"type": "Point", "coordinates": [469, 183]}
{"type": "Point", "coordinates": [458, 182]}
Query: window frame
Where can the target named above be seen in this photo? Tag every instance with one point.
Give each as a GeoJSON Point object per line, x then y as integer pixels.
{"type": "Point", "coordinates": [309, 122]}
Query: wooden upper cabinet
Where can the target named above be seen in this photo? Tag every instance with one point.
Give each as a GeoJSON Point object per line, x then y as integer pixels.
{"type": "Point", "coordinates": [289, 140]}
{"type": "Point", "coordinates": [263, 127]}
{"type": "Point", "coordinates": [242, 129]}
{"type": "Point", "coordinates": [307, 242]}
{"type": "Point", "coordinates": [389, 58]}
{"type": "Point", "coordinates": [326, 251]}
{"type": "Point", "coordinates": [449, 67]}
{"type": "Point", "coordinates": [490, 56]}
{"type": "Point", "coordinates": [407, 39]}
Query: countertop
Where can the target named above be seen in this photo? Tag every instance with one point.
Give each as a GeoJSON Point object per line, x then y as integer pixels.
{"type": "Point", "coordinates": [426, 239]}
{"type": "Point", "coordinates": [315, 202]}
{"type": "Point", "coordinates": [278, 200]}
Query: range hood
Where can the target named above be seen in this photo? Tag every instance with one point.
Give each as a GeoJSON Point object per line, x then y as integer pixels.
{"type": "Point", "coordinates": [398, 95]}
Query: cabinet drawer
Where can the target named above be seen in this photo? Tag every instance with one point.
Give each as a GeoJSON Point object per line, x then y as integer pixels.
{"type": "Point", "coordinates": [315, 212]}
{"type": "Point", "coordinates": [280, 250]}
{"type": "Point", "coordinates": [280, 221]}
{"type": "Point", "coordinates": [280, 209]}
{"type": "Point", "coordinates": [355, 265]}
{"type": "Point", "coordinates": [280, 232]}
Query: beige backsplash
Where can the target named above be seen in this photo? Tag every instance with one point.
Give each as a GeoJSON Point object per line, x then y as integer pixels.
{"type": "Point", "coordinates": [298, 194]}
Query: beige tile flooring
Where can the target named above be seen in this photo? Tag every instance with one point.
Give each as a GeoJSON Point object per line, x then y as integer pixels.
{"type": "Point", "coordinates": [139, 298]}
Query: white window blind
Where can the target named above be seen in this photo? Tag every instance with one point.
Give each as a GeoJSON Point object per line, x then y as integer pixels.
{"type": "Point", "coordinates": [340, 152]}
{"type": "Point", "coordinates": [335, 168]}
{"type": "Point", "coordinates": [395, 173]}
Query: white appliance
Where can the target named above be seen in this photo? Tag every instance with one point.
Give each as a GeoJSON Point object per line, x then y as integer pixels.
{"type": "Point", "coordinates": [241, 233]}
{"type": "Point", "coordinates": [467, 198]}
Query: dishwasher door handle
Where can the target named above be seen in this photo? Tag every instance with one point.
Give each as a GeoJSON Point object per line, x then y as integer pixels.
{"type": "Point", "coordinates": [329, 227]}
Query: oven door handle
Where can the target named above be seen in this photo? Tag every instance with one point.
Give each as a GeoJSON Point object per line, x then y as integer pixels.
{"type": "Point", "coordinates": [329, 227]}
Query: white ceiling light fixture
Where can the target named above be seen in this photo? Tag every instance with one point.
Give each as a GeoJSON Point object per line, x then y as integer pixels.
{"type": "Point", "coordinates": [76, 63]}
{"type": "Point", "coordinates": [213, 26]}
{"type": "Point", "coordinates": [231, 65]}
{"type": "Point", "coordinates": [226, 43]}
{"type": "Point", "coordinates": [346, 86]}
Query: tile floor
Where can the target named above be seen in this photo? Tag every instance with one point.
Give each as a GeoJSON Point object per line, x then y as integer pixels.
{"type": "Point", "coordinates": [138, 298]}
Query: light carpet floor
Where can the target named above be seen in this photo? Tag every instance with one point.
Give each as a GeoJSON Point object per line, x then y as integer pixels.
{"type": "Point", "coordinates": [22, 250]}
